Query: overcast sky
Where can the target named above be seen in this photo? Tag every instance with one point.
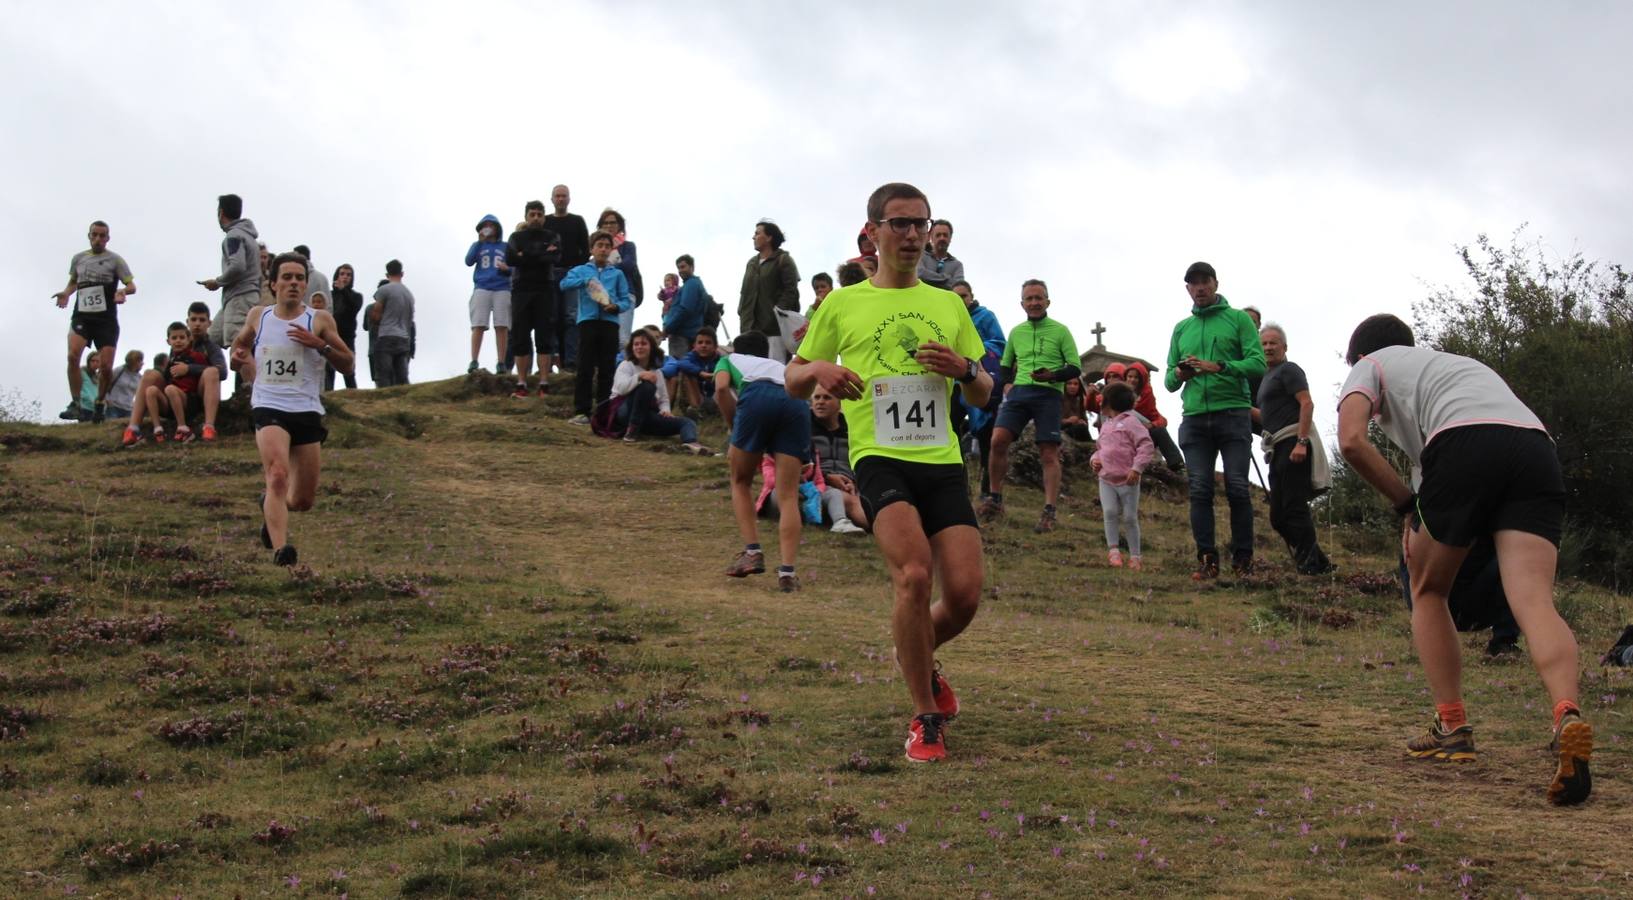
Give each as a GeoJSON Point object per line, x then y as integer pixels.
{"type": "Point", "coordinates": [1326, 162]}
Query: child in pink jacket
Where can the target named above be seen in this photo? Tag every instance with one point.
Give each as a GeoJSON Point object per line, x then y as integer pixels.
{"type": "Point", "coordinates": [1125, 451]}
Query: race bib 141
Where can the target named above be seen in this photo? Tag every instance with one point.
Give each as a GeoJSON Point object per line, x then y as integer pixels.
{"type": "Point", "coordinates": [910, 411]}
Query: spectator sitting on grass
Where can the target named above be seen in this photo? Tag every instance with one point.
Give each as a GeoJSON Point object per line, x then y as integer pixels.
{"type": "Point", "coordinates": [644, 406]}
{"type": "Point", "coordinates": [205, 394]}
{"type": "Point", "coordinates": [830, 442]}
{"type": "Point", "coordinates": [122, 387]}
{"type": "Point", "coordinates": [90, 381]}
{"type": "Point", "coordinates": [691, 377]}
{"type": "Point", "coordinates": [173, 396]}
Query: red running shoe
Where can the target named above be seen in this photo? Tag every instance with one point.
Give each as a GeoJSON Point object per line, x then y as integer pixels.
{"type": "Point", "coordinates": [208, 434]}
{"type": "Point", "coordinates": [925, 738]}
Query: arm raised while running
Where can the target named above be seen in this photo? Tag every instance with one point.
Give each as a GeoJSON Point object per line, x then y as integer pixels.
{"type": "Point", "coordinates": [243, 345]}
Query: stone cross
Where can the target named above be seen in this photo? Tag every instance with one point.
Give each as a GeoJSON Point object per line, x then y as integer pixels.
{"type": "Point", "coordinates": [1099, 330]}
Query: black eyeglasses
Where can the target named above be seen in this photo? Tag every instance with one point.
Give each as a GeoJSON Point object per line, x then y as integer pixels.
{"type": "Point", "coordinates": [903, 224]}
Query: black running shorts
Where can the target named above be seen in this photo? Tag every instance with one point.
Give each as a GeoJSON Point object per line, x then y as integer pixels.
{"type": "Point", "coordinates": [303, 427]}
{"type": "Point", "coordinates": [937, 490]}
{"type": "Point", "coordinates": [1482, 479]}
{"type": "Point", "coordinates": [98, 331]}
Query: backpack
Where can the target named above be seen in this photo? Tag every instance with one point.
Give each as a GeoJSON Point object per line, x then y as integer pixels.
{"type": "Point", "coordinates": [712, 312]}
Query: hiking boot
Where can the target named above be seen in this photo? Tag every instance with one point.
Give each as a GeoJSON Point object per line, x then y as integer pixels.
{"type": "Point", "coordinates": [946, 700]}
{"type": "Point", "coordinates": [208, 434]}
{"type": "Point", "coordinates": [748, 562]}
{"type": "Point", "coordinates": [1046, 522]}
{"type": "Point", "coordinates": [131, 437]}
{"type": "Point", "coordinates": [1207, 567]}
{"type": "Point", "coordinates": [285, 555]}
{"type": "Point", "coordinates": [521, 392]}
{"type": "Point", "coordinates": [990, 510]}
{"type": "Point", "coordinates": [1114, 558]}
{"type": "Point", "coordinates": [1241, 564]}
{"type": "Point", "coordinates": [184, 435]}
{"type": "Point", "coordinates": [1456, 745]}
{"type": "Point", "coordinates": [924, 738]}
{"type": "Point", "coordinates": [580, 419]}
{"type": "Point", "coordinates": [787, 582]}
{"type": "Point", "coordinates": [1573, 744]}
{"type": "Point", "coordinates": [846, 526]}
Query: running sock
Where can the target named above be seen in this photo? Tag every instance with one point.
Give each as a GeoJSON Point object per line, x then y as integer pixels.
{"type": "Point", "coordinates": [785, 570]}
{"type": "Point", "coordinates": [752, 548]}
{"type": "Point", "coordinates": [1563, 707]}
{"type": "Point", "coordinates": [1452, 715]}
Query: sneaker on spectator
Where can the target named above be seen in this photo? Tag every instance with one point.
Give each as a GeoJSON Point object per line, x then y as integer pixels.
{"type": "Point", "coordinates": [473, 368]}
{"type": "Point", "coordinates": [990, 510]}
{"type": "Point", "coordinates": [1114, 558]}
{"type": "Point", "coordinates": [521, 392]}
{"type": "Point", "coordinates": [1241, 563]}
{"type": "Point", "coordinates": [132, 437]}
{"type": "Point", "coordinates": [698, 449]}
{"type": "Point", "coordinates": [925, 738]}
{"type": "Point", "coordinates": [285, 556]}
{"type": "Point", "coordinates": [1207, 567]}
{"type": "Point", "coordinates": [158, 434]}
{"type": "Point", "coordinates": [1134, 563]}
{"type": "Point", "coordinates": [748, 562]}
{"type": "Point", "coordinates": [544, 389]}
{"type": "Point", "coordinates": [631, 437]}
{"type": "Point", "coordinates": [70, 413]}
{"type": "Point", "coordinates": [579, 419]}
{"type": "Point", "coordinates": [1046, 521]}
{"type": "Point", "coordinates": [184, 435]}
{"type": "Point", "coordinates": [208, 434]}
{"type": "Point", "coordinates": [846, 526]}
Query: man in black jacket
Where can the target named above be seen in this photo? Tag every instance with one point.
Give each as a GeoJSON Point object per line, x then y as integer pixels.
{"type": "Point", "coordinates": [574, 235]}
{"type": "Point", "coordinates": [533, 254]}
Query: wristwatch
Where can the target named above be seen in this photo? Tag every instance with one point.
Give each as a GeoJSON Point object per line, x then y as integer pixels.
{"type": "Point", "coordinates": [970, 373]}
{"type": "Point", "coordinates": [324, 350]}
{"type": "Point", "coordinates": [1304, 442]}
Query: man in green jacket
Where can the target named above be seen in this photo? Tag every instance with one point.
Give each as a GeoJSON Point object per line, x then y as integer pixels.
{"type": "Point", "coordinates": [770, 282]}
{"type": "Point", "coordinates": [1212, 355]}
{"type": "Point", "coordinates": [1038, 360]}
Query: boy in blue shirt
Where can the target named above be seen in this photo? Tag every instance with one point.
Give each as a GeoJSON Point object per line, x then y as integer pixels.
{"type": "Point", "coordinates": [697, 367]}
{"type": "Point", "coordinates": [603, 294]}
{"type": "Point", "coordinates": [491, 295]}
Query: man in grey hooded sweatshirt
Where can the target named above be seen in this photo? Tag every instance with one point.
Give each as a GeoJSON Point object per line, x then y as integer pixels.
{"type": "Point", "coordinates": [240, 278]}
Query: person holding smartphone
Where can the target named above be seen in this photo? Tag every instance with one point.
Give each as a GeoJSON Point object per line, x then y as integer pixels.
{"type": "Point", "coordinates": [1212, 355]}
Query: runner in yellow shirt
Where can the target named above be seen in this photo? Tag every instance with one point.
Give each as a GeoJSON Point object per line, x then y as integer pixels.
{"type": "Point", "coordinates": [889, 348]}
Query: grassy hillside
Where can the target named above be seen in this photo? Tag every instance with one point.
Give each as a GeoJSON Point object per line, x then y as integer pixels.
{"type": "Point", "coordinates": [509, 666]}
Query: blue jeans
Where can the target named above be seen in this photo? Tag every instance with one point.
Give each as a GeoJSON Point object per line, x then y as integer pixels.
{"type": "Point", "coordinates": [639, 413]}
{"type": "Point", "coordinates": [1205, 438]}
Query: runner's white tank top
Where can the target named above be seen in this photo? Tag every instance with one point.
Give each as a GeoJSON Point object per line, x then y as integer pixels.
{"type": "Point", "coordinates": [286, 373]}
